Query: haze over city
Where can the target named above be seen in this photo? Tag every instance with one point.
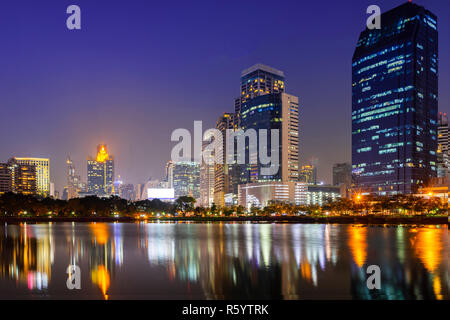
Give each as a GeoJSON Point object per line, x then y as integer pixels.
{"type": "Point", "coordinates": [131, 76]}
{"type": "Point", "coordinates": [242, 153]}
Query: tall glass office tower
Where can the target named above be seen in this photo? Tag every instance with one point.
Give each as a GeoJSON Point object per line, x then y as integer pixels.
{"type": "Point", "coordinates": [395, 102]}
{"type": "Point", "coordinates": [264, 105]}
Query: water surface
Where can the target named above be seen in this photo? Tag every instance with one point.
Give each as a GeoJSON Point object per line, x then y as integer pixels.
{"type": "Point", "coordinates": [222, 261]}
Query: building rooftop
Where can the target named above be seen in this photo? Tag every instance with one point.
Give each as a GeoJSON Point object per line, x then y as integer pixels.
{"type": "Point", "coordinates": [263, 67]}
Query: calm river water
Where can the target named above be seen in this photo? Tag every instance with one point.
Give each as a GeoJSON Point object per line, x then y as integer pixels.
{"type": "Point", "coordinates": [222, 261]}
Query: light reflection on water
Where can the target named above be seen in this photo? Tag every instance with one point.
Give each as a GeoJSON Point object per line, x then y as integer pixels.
{"type": "Point", "coordinates": [222, 261]}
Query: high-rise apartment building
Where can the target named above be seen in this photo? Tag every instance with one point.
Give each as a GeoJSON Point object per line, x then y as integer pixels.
{"type": "Point", "coordinates": [186, 179]}
{"type": "Point", "coordinates": [100, 173]}
{"type": "Point", "coordinates": [264, 105]}
{"type": "Point", "coordinates": [395, 102]}
{"type": "Point", "coordinates": [42, 167]}
{"type": "Point", "coordinates": [18, 178]}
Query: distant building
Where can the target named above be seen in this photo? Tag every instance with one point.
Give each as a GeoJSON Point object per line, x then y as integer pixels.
{"type": "Point", "coordinates": [42, 167]}
{"type": "Point", "coordinates": [18, 178]}
{"type": "Point", "coordinates": [138, 192]}
{"type": "Point", "coordinates": [74, 184]}
{"type": "Point", "coordinates": [52, 190]}
{"type": "Point", "coordinates": [100, 172]}
{"type": "Point", "coordinates": [443, 155]}
{"type": "Point", "coordinates": [127, 192]}
{"type": "Point", "coordinates": [342, 174]}
{"type": "Point", "coordinates": [207, 179]}
{"type": "Point", "coordinates": [308, 174]}
{"type": "Point", "coordinates": [226, 174]}
{"type": "Point", "coordinates": [186, 179]}
{"type": "Point", "coordinates": [5, 178]}
{"type": "Point", "coordinates": [117, 187]}
{"type": "Point", "coordinates": [169, 174]}
{"type": "Point", "coordinates": [395, 102]}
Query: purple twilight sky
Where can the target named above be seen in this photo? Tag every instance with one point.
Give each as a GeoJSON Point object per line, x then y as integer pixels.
{"type": "Point", "coordinates": [139, 69]}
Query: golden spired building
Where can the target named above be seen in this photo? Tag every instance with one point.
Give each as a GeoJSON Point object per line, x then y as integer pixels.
{"type": "Point", "coordinates": [100, 172]}
{"type": "Point", "coordinates": [42, 166]}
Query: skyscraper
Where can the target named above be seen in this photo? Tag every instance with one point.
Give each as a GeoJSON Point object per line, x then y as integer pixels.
{"type": "Point", "coordinates": [226, 174]}
{"type": "Point", "coordinates": [264, 105]}
{"type": "Point", "coordinates": [169, 174]}
{"type": "Point", "coordinates": [5, 178]}
{"type": "Point", "coordinates": [342, 174]}
{"type": "Point", "coordinates": [18, 178]}
{"type": "Point", "coordinates": [100, 172]}
{"type": "Point", "coordinates": [186, 179]}
{"type": "Point", "coordinates": [394, 102]}
{"type": "Point", "coordinates": [443, 144]}
{"type": "Point", "coordinates": [207, 178]}
{"type": "Point", "coordinates": [42, 167]}
{"type": "Point", "coordinates": [74, 184]}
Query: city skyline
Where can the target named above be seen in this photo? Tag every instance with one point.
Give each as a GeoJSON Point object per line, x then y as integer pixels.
{"type": "Point", "coordinates": [119, 113]}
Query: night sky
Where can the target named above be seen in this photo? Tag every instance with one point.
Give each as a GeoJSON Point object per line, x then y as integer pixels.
{"type": "Point", "coordinates": [139, 69]}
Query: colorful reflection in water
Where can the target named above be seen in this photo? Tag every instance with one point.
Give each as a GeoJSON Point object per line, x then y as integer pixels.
{"type": "Point", "coordinates": [223, 260]}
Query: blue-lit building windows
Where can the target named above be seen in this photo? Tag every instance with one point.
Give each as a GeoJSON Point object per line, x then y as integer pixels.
{"type": "Point", "coordinates": [394, 102]}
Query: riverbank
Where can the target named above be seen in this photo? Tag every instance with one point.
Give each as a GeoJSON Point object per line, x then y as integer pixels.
{"type": "Point", "coordinates": [259, 219]}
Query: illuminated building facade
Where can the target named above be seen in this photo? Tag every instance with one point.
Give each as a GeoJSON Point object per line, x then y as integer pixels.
{"type": "Point", "coordinates": [394, 103]}
{"type": "Point", "coordinates": [264, 105]}
{"type": "Point", "coordinates": [260, 194]}
{"type": "Point", "coordinates": [74, 184]}
{"type": "Point", "coordinates": [226, 174]}
{"type": "Point", "coordinates": [298, 193]}
{"type": "Point", "coordinates": [186, 179]}
{"type": "Point", "coordinates": [308, 174]}
{"type": "Point", "coordinates": [5, 178]}
{"type": "Point", "coordinates": [207, 178]}
{"type": "Point", "coordinates": [169, 174]}
{"type": "Point", "coordinates": [258, 80]}
{"type": "Point", "coordinates": [100, 172]}
{"type": "Point", "coordinates": [321, 194]}
{"type": "Point", "coordinates": [17, 178]}
{"type": "Point", "coordinates": [42, 167]}
{"type": "Point", "coordinates": [117, 187]}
